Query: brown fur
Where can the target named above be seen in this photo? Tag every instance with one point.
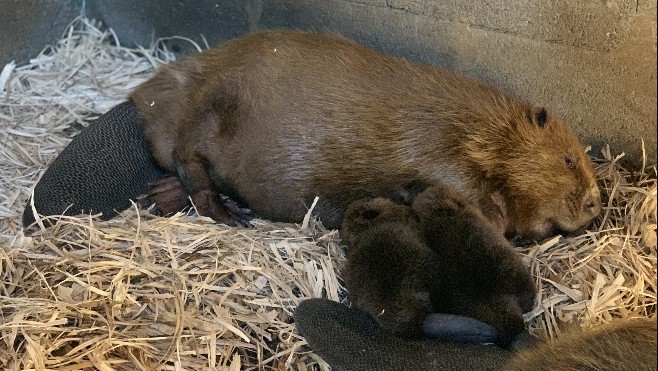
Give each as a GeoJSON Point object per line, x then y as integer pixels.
{"type": "Point", "coordinates": [390, 274]}
{"type": "Point", "coordinates": [275, 118]}
{"type": "Point", "coordinates": [439, 255]}
{"type": "Point", "coordinates": [490, 281]}
{"type": "Point", "coordinates": [389, 271]}
{"type": "Point", "coordinates": [622, 345]}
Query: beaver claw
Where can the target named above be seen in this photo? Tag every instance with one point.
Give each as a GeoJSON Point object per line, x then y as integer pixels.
{"type": "Point", "coordinates": [167, 196]}
{"type": "Point", "coordinates": [210, 204]}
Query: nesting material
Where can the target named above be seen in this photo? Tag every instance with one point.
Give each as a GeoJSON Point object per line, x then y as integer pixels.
{"type": "Point", "coordinates": [609, 272]}
{"type": "Point", "coordinates": [143, 292]}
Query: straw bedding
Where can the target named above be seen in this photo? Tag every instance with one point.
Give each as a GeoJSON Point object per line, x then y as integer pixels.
{"type": "Point", "coordinates": [143, 292]}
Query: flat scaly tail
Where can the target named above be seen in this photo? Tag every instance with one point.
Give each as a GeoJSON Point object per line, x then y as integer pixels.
{"type": "Point", "coordinates": [105, 166]}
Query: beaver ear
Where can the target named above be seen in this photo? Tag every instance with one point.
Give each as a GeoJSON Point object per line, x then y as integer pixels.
{"type": "Point", "coordinates": [538, 116]}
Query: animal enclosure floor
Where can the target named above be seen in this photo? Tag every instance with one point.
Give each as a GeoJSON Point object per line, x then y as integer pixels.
{"type": "Point", "coordinates": [144, 292]}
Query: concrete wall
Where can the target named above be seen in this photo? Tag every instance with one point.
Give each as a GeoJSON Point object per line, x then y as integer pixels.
{"type": "Point", "coordinates": [205, 21]}
{"type": "Point", "coordinates": [27, 26]}
{"type": "Point", "coordinates": [591, 62]}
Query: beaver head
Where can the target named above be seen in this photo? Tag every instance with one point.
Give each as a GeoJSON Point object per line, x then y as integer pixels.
{"type": "Point", "coordinates": [541, 168]}
{"type": "Point", "coordinates": [364, 213]}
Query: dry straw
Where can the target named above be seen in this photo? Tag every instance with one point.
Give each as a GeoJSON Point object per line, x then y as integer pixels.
{"type": "Point", "coordinates": [141, 292]}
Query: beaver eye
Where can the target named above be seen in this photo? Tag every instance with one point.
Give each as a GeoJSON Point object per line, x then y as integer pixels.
{"type": "Point", "coordinates": [569, 161]}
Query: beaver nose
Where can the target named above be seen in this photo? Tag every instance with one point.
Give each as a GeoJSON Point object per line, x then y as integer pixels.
{"type": "Point", "coordinates": [592, 205]}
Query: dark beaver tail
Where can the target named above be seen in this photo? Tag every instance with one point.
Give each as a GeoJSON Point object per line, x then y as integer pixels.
{"type": "Point", "coordinates": [105, 166]}
{"type": "Point", "coordinates": [350, 339]}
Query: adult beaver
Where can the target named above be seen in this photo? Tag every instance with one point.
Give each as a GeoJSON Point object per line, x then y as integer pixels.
{"type": "Point", "coordinates": [275, 118]}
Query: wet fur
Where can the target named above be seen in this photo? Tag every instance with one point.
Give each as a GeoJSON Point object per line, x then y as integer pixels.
{"type": "Point", "coordinates": [275, 118]}
{"type": "Point", "coordinates": [438, 255]}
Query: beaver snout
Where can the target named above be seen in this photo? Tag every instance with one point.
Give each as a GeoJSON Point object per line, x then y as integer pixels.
{"type": "Point", "coordinates": [590, 209]}
{"type": "Point", "coordinates": [592, 205]}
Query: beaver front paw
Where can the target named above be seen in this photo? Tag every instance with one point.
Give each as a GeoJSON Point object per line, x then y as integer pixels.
{"type": "Point", "coordinates": [168, 196]}
{"type": "Point", "coordinates": [210, 204]}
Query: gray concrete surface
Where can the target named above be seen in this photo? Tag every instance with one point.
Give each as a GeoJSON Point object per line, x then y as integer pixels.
{"type": "Point", "coordinates": [27, 26]}
{"type": "Point", "coordinates": [591, 62]}
{"type": "Point", "coordinates": [143, 22]}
